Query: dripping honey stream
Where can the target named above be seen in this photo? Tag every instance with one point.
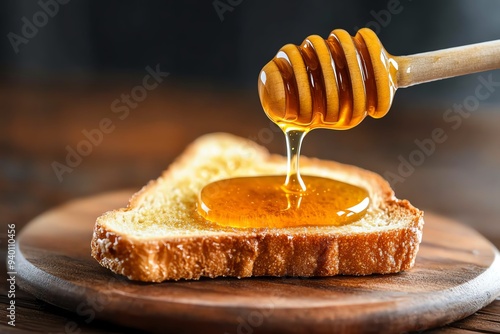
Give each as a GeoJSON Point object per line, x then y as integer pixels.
{"type": "Point", "coordinates": [279, 201]}
{"type": "Point", "coordinates": [291, 200]}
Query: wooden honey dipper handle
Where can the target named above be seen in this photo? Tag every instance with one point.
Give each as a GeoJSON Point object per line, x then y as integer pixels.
{"type": "Point", "coordinates": [447, 63]}
{"type": "Point", "coordinates": [336, 82]}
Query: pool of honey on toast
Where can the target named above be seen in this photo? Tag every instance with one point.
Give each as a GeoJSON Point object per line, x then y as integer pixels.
{"type": "Point", "coordinates": [283, 201]}
{"type": "Point", "coordinates": [264, 202]}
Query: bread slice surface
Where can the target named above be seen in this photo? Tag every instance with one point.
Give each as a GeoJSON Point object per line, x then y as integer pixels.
{"type": "Point", "coordinates": [160, 235]}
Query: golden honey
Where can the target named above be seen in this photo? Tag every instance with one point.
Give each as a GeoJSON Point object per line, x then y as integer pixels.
{"type": "Point", "coordinates": [263, 202]}
{"type": "Point", "coordinates": [283, 201]}
{"type": "Point", "coordinates": [328, 83]}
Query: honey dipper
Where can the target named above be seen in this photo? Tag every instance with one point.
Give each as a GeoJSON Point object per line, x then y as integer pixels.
{"type": "Point", "coordinates": [335, 83]}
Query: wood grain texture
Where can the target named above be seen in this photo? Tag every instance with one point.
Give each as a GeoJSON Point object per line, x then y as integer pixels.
{"type": "Point", "coordinates": [455, 275]}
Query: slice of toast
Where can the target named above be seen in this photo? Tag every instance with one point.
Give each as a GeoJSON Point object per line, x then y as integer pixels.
{"type": "Point", "coordinates": [160, 235]}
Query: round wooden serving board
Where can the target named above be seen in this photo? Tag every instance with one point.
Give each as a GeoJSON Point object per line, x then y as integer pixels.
{"type": "Point", "coordinates": [456, 273]}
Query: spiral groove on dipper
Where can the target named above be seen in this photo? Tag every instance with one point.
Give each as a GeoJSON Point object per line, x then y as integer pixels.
{"type": "Point", "coordinates": [332, 83]}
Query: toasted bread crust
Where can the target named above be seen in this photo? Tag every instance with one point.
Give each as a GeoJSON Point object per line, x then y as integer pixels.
{"type": "Point", "coordinates": [262, 252]}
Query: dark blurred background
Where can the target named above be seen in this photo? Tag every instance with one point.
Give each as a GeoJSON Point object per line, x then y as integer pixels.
{"type": "Point", "coordinates": [226, 42]}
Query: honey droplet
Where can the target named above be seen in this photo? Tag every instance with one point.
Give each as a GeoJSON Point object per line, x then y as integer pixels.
{"type": "Point", "coordinates": [264, 202]}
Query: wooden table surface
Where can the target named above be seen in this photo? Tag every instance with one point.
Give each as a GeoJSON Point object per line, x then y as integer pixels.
{"type": "Point", "coordinates": [458, 178]}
